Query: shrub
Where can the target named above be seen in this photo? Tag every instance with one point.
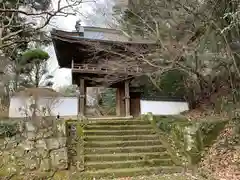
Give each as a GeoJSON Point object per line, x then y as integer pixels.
{"type": "Point", "coordinates": [8, 129]}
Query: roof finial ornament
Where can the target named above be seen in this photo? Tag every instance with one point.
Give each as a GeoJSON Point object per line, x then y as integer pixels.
{"type": "Point", "coordinates": [79, 28]}
{"type": "Point", "coordinates": [78, 25]}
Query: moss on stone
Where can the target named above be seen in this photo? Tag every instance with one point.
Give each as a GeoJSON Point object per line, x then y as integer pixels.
{"type": "Point", "coordinates": [80, 131]}
{"type": "Point", "coordinates": [179, 129]}
{"type": "Point", "coordinates": [61, 175]}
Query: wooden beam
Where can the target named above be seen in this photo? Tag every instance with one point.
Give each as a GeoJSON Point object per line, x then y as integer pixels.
{"type": "Point", "coordinates": [127, 99]}
{"type": "Point", "coordinates": [104, 69]}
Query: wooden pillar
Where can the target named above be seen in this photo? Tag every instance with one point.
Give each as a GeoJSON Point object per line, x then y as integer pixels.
{"type": "Point", "coordinates": [127, 98]}
{"type": "Point", "coordinates": [82, 97]}
{"type": "Point", "coordinates": [120, 101]}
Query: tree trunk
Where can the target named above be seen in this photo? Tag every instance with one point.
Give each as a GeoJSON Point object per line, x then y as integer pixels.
{"type": "Point", "coordinates": [37, 78]}
{"type": "Point", "coordinates": [1, 32]}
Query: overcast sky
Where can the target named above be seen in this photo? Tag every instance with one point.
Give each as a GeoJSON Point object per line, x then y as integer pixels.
{"type": "Point", "coordinates": [93, 14]}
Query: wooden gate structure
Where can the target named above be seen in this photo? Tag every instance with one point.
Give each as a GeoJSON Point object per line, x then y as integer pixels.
{"type": "Point", "coordinates": [96, 62]}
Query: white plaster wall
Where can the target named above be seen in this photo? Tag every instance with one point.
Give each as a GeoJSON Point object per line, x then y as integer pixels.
{"type": "Point", "coordinates": [68, 106]}
{"type": "Point", "coordinates": [163, 107]}
{"type": "Point", "coordinates": [65, 106]}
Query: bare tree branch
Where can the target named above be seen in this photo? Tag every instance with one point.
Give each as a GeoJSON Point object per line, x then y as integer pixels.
{"type": "Point", "coordinates": [47, 16]}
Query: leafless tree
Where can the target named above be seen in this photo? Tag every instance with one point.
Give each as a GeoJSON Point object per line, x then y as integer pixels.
{"type": "Point", "coordinates": [35, 20]}
{"type": "Point", "coordinates": [190, 36]}
{"type": "Point", "coordinates": [23, 24]}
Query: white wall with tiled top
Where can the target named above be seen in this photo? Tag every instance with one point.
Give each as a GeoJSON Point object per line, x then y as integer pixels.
{"type": "Point", "coordinates": [68, 106]}
{"type": "Point", "coordinates": [64, 106]}
{"type": "Point", "coordinates": [163, 107]}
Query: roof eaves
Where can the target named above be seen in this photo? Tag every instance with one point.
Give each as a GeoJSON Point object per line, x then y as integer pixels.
{"type": "Point", "coordinates": [75, 38]}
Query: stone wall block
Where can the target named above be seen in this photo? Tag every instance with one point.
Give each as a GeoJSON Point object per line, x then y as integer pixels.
{"type": "Point", "coordinates": [31, 135]}
{"type": "Point", "coordinates": [42, 153]}
{"type": "Point", "coordinates": [62, 141]}
{"type": "Point", "coordinates": [19, 152]}
{"type": "Point", "coordinates": [48, 134]}
{"type": "Point", "coordinates": [52, 143]}
{"type": "Point", "coordinates": [30, 126]}
{"type": "Point", "coordinates": [41, 144]}
{"type": "Point", "coordinates": [31, 164]}
{"type": "Point", "coordinates": [27, 145]}
{"type": "Point", "coordinates": [59, 158]}
{"type": "Point", "coordinates": [45, 164]}
{"type": "Point", "coordinates": [61, 128]}
{"type": "Point", "coordinates": [38, 149]}
{"type": "Point", "coordinates": [31, 160]}
{"type": "Point", "coordinates": [56, 143]}
{"type": "Point", "coordinates": [10, 145]}
{"type": "Point", "coordinates": [40, 135]}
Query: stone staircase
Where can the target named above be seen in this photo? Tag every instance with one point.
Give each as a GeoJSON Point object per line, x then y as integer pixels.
{"type": "Point", "coordinates": [124, 147]}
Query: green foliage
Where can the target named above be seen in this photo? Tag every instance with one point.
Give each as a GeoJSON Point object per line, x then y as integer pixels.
{"type": "Point", "coordinates": [80, 128]}
{"type": "Point", "coordinates": [197, 38]}
{"type": "Point", "coordinates": [75, 131]}
{"type": "Point", "coordinates": [210, 131]}
{"type": "Point", "coordinates": [167, 123]}
{"type": "Point", "coordinates": [8, 128]}
{"type": "Point", "coordinates": [17, 35]}
{"type": "Point", "coordinates": [172, 83]}
{"type": "Point", "coordinates": [32, 68]}
{"type": "Point", "coordinates": [168, 84]}
{"type": "Point", "coordinates": [34, 55]}
{"type": "Point", "coordinates": [108, 101]}
{"type": "Point", "coordinates": [77, 125]}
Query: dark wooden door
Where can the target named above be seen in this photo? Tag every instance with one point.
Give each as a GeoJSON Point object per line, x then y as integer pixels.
{"type": "Point", "coordinates": [135, 104]}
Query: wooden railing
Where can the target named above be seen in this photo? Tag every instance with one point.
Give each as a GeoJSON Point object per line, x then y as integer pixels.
{"type": "Point", "coordinates": [91, 68]}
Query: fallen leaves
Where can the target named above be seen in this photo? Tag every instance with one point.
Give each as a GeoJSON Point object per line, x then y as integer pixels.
{"type": "Point", "coordinates": [223, 159]}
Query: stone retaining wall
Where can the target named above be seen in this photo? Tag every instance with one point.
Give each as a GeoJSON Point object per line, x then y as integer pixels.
{"type": "Point", "coordinates": [35, 150]}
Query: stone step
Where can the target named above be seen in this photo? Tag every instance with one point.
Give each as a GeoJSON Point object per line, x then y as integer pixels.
{"type": "Point", "coordinates": [119, 122]}
{"type": "Point", "coordinates": [124, 147]}
{"type": "Point", "coordinates": [121, 137]}
{"type": "Point", "coordinates": [126, 156]}
{"type": "Point", "coordinates": [128, 164]}
{"type": "Point", "coordinates": [117, 127]}
{"type": "Point", "coordinates": [119, 144]}
{"type": "Point", "coordinates": [128, 149]}
{"type": "Point", "coordinates": [119, 132]}
{"type": "Point", "coordinates": [128, 172]}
